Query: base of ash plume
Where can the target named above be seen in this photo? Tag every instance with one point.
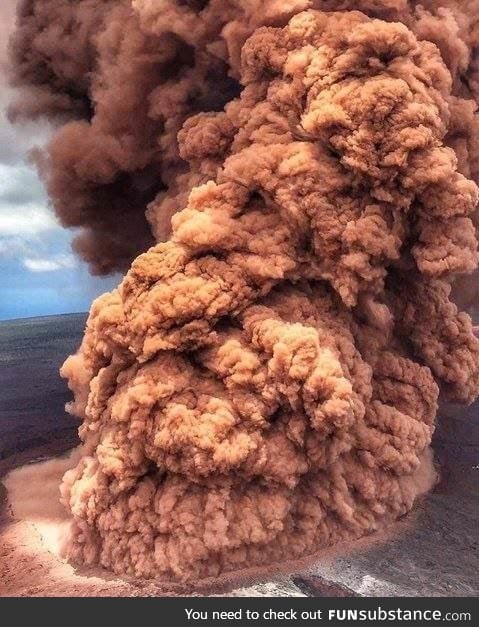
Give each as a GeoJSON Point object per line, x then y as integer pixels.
{"type": "Point", "coordinates": [35, 525]}
{"type": "Point", "coordinates": [437, 535]}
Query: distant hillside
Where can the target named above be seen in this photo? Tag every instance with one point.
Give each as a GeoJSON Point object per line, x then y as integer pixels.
{"type": "Point", "coordinates": [32, 394]}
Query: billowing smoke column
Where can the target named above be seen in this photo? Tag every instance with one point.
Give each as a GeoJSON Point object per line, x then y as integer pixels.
{"type": "Point", "coordinates": [263, 383]}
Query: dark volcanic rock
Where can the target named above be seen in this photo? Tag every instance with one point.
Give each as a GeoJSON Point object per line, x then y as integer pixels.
{"type": "Point", "coordinates": [32, 395]}
{"type": "Point", "coordinates": [316, 586]}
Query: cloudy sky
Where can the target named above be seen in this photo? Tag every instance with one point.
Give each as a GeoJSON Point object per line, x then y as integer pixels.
{"type": "Point", "coordinates": [39, 275]}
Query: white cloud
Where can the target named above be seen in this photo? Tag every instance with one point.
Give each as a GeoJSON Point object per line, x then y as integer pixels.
{"type": "Point", "coordinates": [52, 264]}
{"type": "Point", "coordinates": [14, 246]}
{"type": "Point", "coordinates": [30, 219]}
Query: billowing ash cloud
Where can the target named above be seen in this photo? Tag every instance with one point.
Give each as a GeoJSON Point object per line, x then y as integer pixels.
{"type": "Point", "coordinates": [265, 381]}
{"type": "Point", "coordinates": [126, 80]}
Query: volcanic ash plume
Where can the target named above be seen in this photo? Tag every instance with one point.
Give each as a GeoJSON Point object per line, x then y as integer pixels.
{"type": "Point", "coordinates": [265, 382]}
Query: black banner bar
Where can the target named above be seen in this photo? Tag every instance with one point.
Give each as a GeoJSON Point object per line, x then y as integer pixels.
{"type": "Point", "coordinates": [245, 611]}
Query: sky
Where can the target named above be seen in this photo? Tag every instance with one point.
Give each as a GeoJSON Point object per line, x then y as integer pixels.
{"type": "Point", "coordinates": [39, 274]}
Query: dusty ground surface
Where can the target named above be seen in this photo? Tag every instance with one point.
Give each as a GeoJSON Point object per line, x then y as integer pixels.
{"type": "Point", "coordinates": [432, 552]}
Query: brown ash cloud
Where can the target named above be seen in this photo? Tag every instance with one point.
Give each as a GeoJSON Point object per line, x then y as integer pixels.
{"type": "Point", "coordinates": [264, 381]}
